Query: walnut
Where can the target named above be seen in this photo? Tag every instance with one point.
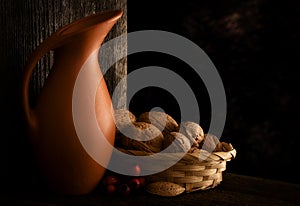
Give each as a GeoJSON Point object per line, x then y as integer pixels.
{"type": "Point", "coordinates": [123, 117]}
{"type": "Point", "coordinates": [142, 136]}
{"type": "Point", "coordinates": [226, 146]}
{"type": "Point", "coordinates": [161, 120]}
{"type": "Point", "coordinates": [176, 142]}
{"type": "Point", "coordinates": [193, 131]}
{"type": "Point", "coordinates": [219, 147]}
{"type": "Point", "coordinates": [194, 150]}
{"type": "Point", "coordinates": [211, 143]}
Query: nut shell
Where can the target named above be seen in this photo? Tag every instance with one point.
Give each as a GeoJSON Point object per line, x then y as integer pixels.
{"type": "Point", "coordinates": [161, 120]}
{"type": "Point", "coordinates": [219, 147]}
{"type": "Point", "coordinates": [226, 146]}
{"type": "Point", "coordinates": [123, 117]}
{"type": "Point", "coordinates": [193, 131]}
{"type": "Point", "coordinates": [176, 142]}
{"type": "Point", "coordinates": [166, 189]}
{"type": "Point", "coordinates": [142, 136]}
{"type": "Point", "coordinates": [211, 143]}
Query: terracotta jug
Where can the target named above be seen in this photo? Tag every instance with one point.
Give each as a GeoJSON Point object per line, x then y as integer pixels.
{"type": "Point", "coordinates": [65, 164]}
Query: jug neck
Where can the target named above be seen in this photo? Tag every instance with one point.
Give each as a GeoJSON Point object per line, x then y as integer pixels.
{"type": "Point", "coordinates": [72, 46]}
{"type": "Point", "coordinates": [78, 48]}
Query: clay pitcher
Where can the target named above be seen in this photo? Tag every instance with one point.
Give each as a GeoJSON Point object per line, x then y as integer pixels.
{"type": "Point", "coordinates": [64, 162]}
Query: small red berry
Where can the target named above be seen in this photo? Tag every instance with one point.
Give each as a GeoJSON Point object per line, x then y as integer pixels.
{"type": "Point", "coordinates": [124, 189]}
{"type": "Point", "coordinates": [111, 189]}
{"type": "Point", "coordinates": [142, 181]}
{"type": "Point", "coordinates": [135, 183]}
{"type": "Point", "coordinates": [111, 180]}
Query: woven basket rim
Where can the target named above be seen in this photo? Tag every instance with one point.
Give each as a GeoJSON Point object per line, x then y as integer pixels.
{"type": "Point", "coordinates": [201, 154]}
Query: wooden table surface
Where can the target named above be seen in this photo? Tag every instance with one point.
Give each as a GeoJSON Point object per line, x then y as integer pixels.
{"type": "Point", "coordinates": [233, 190]}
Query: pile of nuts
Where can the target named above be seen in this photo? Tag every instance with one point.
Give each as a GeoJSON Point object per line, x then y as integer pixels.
{"type": "Point", "coordinates": [153, 132]}
{"type": "Point", "coordinates": [156, 131]}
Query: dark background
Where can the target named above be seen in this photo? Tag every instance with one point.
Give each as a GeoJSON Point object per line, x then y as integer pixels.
{"type": "Point", "coordinates": [254, 45]}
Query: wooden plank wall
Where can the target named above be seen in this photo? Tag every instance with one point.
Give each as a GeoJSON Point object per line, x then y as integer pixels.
{"type": "Point", "coordinates": [24, 25]}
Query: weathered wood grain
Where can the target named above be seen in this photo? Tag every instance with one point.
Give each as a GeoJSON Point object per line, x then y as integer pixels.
{"type": "Point", "coordinates": [234, 190]}
{"type": "Point", "coordinates": [24, 25]}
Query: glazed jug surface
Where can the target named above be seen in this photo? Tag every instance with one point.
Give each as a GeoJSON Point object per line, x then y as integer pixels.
{"type": "Point", "coordinates": [64, 162]}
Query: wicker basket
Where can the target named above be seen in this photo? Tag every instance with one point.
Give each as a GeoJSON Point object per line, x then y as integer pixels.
{"type": "Point", "coordinates": [199, 170]}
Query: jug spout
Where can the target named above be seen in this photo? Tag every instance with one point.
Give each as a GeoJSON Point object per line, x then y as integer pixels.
{"type": "Point", "coordinates": [90, 31]}
{"type": "Point", "coordinates": [98, 24]}
{"type": "Point", "coordinates": [66, 165]}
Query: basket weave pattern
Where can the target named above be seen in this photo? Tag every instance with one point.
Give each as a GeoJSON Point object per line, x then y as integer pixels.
{"type": "Point", "coordinates": [199, 170]}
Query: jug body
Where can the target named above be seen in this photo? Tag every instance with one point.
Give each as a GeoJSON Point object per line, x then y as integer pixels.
{"type": "Point", "coordinates": [64, 162]}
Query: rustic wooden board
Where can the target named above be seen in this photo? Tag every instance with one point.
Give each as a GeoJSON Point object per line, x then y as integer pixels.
{"type": "Point", "coordinates": [234, 190]}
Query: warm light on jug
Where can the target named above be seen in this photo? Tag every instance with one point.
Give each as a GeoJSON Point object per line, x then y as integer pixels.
{"type": "Point", "coordinates": [64, 163]}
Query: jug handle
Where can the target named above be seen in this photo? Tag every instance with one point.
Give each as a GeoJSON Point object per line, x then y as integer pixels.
{"type": "Point", "coordinates": [49, 44]}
